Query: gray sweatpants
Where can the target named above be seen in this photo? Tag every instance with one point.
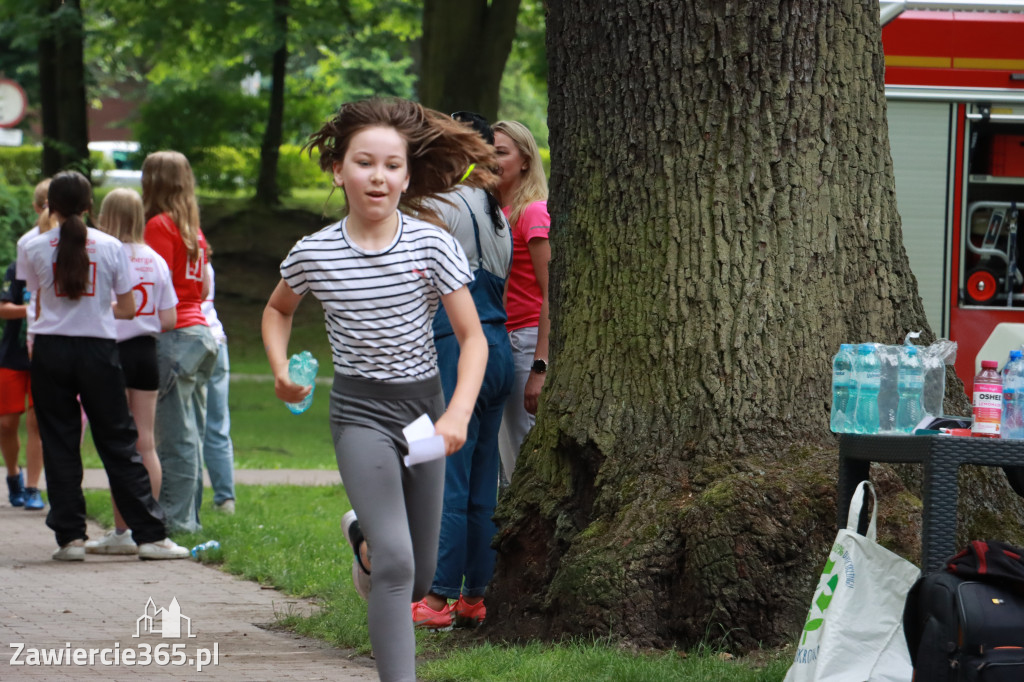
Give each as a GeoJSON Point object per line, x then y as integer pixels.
{"type": "Point", "coordinates": [399, 508]}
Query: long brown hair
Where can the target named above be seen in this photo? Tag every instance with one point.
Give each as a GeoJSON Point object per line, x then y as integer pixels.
{"type": "Point", "coordinates": [168, 186]}
{"type": "Point", "coordinates": [439, 150]}
{"type": "Point", "coordinates": [69, 196]}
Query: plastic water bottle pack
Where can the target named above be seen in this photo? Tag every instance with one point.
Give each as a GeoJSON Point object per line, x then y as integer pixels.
{"type": "Point", "coordinates": [891, 389]}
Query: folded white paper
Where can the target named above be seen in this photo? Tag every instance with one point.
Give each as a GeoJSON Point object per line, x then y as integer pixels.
{"type": "Point", "coordinates": [424, 446]}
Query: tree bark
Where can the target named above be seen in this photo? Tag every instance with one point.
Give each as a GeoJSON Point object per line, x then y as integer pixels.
{"type": "Point", "coordinates": [62, 88]}
{"type": "Point", "coordinates": [723, 217]}
{"type": "Point", "coordinates": [267, 189]}
{"type": "Point", "coordinates": [464, 49]}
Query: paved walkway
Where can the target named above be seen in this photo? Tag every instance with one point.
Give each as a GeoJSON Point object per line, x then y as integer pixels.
{"type": "Point", "coordinates": [56, 608]}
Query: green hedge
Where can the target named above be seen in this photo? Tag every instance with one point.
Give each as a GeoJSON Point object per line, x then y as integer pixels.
{"type": "Point", "coordinates": [22, 165]}
{"type": "Point", "coordinates": [16, 217]}
{"type": "Point", "coordinates": [226, 169]}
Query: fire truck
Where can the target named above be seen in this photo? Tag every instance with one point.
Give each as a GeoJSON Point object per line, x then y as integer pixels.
{"type": "Point", "coordinates": [954, 87]}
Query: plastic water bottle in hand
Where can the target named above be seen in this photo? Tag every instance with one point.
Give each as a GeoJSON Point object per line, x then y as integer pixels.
{"type": "Point", "coordinates": [302, 369]}
{"type": "Point", "coordinates": [844, 384]}
{"type": "Point", "coordinates": [868, 367]}
{"type": "Point", "coordinates": [910, 386]}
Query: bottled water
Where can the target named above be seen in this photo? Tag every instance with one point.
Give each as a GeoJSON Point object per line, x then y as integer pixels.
{"type": "Point", "coordinates": [1013, 397]}
{"type": "Point", "coordinates": [211, 544]}
{"type": "Point", "coordinates": [1013, 420]}
{"type": "Point", "coordinates": [302, 369]}
{"type": "Point", "coordinates": [868, 368]}
{"type": "Point", "coordinates": [988, 400]}
{"type": "Point", "coordinates": [844, 385]}
{"type": "Point", "coordinates": [1012, 366]}
{"type": "Point", "coordinates": [1013, 371]}
{"type": "Point", "coordinates": [910, 387]}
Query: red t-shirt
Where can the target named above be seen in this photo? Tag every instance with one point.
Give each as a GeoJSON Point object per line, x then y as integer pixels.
{"type": "Point", "coordinates": [523, 298]}
{"type": "Point", "coordinates": [163, 236]}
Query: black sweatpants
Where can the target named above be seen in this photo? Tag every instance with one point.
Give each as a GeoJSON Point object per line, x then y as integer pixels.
{"type": "Point", "coordinates": [65, 368]}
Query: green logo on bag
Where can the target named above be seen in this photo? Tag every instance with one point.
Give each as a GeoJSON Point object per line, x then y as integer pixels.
{"type": "Point", "coordinates": [816, 616]}
{"type": "Point", "coordinates": [827, 585]}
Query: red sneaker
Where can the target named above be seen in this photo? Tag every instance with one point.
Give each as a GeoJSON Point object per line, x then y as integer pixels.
{"type": "Point", "coordinates": [469, 615]}
{"type": "Point", "coordinates": [425, 617]}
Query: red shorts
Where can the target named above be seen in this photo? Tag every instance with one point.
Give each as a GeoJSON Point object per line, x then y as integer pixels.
{"type": "Point", "coordinates": [15, 387]}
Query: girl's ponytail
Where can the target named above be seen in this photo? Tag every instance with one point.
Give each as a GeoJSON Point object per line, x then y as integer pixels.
{"type": "Point", "coordinates": [69, 196]}
{"type": "Point", "coordinates": [72, 272]}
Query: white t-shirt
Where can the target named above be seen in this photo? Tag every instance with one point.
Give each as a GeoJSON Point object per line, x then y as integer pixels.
{"type": "Point", "coordinates": [90, 315]}
{"type": "Point", "coordinates": [379, 305]}
{"type": "Point", "coordinates": [19, 273]}
{"type": "Point", "coordinates": [153, 291]}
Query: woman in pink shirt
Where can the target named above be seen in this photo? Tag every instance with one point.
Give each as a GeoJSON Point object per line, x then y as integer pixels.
{"type": "Point", "coordinates": [523, 192]}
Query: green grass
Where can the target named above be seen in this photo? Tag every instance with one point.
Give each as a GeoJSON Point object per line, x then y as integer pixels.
{"type": "Point", "coordinates": [288, 537]}
{"type": "Point", "coordinates": [594, 662]}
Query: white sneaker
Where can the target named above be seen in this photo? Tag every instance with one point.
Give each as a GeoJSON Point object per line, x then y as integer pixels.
{"type": "Point", "coordinates": [360, 578]}
{"type": "Point", "coordinates": [113, 543]}
{"type": "Point", "coordinates": [165, 549]}
{"type": "Point", "coordinates": [73, 551]}
{"type": "Point", "coordinates": [225, 507]}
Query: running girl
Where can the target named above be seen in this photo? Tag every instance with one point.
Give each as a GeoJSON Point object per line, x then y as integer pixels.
{"type": "Point", "coordinates": [380, 274]}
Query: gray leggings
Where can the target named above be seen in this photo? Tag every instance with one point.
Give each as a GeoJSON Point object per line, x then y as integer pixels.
{"type": "Point", "coordinates": [399, 508]}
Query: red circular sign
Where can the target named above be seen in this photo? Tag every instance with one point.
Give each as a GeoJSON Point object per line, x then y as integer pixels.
{"type": "Point", "coordinates": [13, 103]}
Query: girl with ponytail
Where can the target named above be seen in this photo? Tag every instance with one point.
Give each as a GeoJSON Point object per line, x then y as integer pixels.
{"type": "Point", "coordinates": [80, 278]}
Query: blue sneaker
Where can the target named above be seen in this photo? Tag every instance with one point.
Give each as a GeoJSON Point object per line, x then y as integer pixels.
{"type": "Point", "coordinates": [33, 500]}
{"type": "Point", "coordinates": [16, 489]}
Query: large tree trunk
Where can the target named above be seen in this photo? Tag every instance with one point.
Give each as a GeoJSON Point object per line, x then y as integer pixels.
{"type": "Point", "coordinates": [62, 87]}
{"type": "Point", "coordinates": [723, 217]}
{"type": "Point", "coordinates": [464, 49]}
{"type": "Point", "coordinates": [267, 189]}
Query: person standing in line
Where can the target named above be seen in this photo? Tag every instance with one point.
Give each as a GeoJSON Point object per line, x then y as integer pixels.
{"type": "Point", "coordinates": [15, 383]}
{"type": "Point", "coordinates": [523, 192]}
{"type": "Point", "coordinates": [121, 216]}
{"type": "Point", "coordinates": [80, 277]}
{"type": "Point", "coordinates": [380, 275]}
{"type": "Point", "coordinates": [186, 354]}
{"type": "Point", "coordinates": [218, 450]}
{"type": "Point", "coordinates": [465, 562]}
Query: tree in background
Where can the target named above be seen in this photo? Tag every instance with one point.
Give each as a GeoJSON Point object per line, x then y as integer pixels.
{"type": "Point", "coordinates": [464, 49]}
{"type": "Point", "coordinates": [723, 216]}
{"type": "Point", "coordinates": [226, 43]}
{"type": "Point", "coordinates": [524, 85]}
{"type": "Point", "coordinates": [53, 31]}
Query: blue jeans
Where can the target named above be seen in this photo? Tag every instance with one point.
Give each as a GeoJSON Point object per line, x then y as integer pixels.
{"type": "Point", "coordinates": [185, 358]}
{"type": "Point", "coordinates": [471, 474]}
{"type": "Point", "coordinates": [218, 451]}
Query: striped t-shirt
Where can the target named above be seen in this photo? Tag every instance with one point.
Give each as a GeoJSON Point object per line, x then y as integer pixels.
{"type": "Point", "coordinates": [379, 305]}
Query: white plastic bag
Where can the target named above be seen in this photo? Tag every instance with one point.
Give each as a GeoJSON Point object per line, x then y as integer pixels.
{"type": "Point", "coordinates": [854, 628]}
